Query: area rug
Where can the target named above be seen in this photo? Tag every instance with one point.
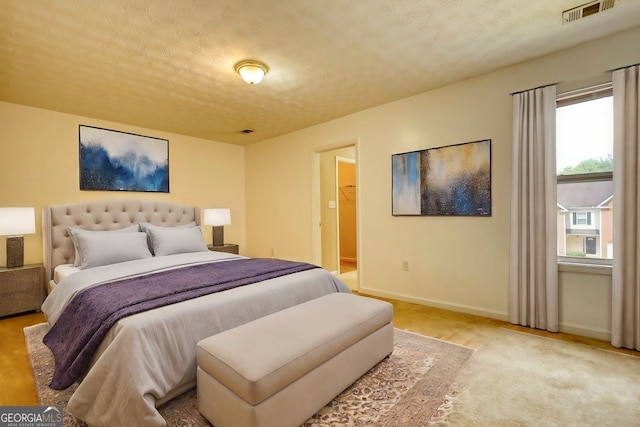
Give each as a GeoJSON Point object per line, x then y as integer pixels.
{"type": "Point", "coordinates": [406, 389]}
{"type": "Point", "coordinates": [518, 379]}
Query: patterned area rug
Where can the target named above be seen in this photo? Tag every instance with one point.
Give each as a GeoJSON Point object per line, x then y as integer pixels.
{"type": "Point", "coordinates": [405, 389]}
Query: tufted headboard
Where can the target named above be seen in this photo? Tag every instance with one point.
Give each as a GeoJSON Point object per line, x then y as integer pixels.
{"type": "Point", "coordinates": [102, 215]}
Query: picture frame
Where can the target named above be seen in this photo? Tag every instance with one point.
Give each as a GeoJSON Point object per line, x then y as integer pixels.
{"type": "Point", "coordinates": [111, 160]}
{"type": "Point", "coordinates": [452, 180]}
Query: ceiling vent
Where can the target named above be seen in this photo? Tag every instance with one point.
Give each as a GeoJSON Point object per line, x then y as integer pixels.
{"type": "Point", "coordinates": [586, 9]}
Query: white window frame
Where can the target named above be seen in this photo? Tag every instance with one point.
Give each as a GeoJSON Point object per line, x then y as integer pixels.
{"type": "Point", "coordinates": [579, 264]}
{"type": "Point", "coordinates": [582, 216]}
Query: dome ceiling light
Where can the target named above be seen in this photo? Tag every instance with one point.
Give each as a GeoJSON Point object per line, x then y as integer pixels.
{"type": "Point", "coordinates": [251, 71]}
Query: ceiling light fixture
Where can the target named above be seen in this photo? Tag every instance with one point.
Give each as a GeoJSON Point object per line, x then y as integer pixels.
{"type": "Point", "coordinates": [251, 71]}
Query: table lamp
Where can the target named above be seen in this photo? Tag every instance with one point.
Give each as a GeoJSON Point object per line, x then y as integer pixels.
{"type": "Point", "coordinates": [14, 222]}
{"type": "Point", "coordinates": [217, 218]}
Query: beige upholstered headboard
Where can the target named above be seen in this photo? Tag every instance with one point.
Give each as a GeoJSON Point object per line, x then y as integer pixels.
{"type": "Point", "coordinates": [102, 215]}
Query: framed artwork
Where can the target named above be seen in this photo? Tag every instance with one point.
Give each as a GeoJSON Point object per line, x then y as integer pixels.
{"type": "Point", "coordinates": [452, 180]}
{"type": "Point", "coordinates": [120, 161]}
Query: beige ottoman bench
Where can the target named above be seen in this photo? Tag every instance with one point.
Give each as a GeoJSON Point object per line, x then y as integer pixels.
{"type": "Point", "coordinates": [281, 369]}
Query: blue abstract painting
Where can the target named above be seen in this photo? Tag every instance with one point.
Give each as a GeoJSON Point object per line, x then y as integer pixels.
{"type": "Point", "coordinates": [406, 183]}
{"type": "Point", "coordinates": [451, 180]}
{"type": "Point", "coordinates": [119, 161]}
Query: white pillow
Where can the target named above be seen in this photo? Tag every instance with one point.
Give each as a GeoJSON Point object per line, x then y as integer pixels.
{"type": "Point", "coordinates": [73, 232]}
{"type": "Point", "coordinates": [144, 226]}
{"type": "Point", "coordinates": [98, 249]}
{"type": "Point", "coordinates": [176, 240]}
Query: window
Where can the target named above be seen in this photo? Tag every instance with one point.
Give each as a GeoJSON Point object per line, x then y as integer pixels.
{"type": "Point", "coordinates": [581, 218]}
{"type": "Point", "coordinates": [584, 162]}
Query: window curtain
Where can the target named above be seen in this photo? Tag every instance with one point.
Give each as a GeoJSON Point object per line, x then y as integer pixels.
{"type": "Point", "coordinates": [625, 324]}
{"type": "Point", "coordinates": [533, 265]}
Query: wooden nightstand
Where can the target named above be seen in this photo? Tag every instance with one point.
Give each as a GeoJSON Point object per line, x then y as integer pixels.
{"type": "Point", "coordinates": [21, 289]}
{"type": "Point", "coordinates": [227, 247]}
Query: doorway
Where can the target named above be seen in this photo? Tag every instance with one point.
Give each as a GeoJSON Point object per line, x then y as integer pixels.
{"type": "Point", "coordinates": [346, 215]}
{"type": "Point", "coordinates": [336, 191]}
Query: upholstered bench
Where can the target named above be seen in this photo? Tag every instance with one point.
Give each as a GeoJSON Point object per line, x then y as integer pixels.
{"type": "Point", "coordinates": [282, 368]}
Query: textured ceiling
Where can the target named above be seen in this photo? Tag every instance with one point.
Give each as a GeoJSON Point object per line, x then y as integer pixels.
{"type": "Point", "coordinates": [168, 64]}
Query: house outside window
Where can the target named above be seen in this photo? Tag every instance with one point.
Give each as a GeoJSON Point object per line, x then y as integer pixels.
{"type": "Point", "coordinates": [584, 158]}
{"type": "Point", "coordinates": [585, 212]}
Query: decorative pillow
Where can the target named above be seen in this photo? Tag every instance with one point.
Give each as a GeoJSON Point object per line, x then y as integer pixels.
{"type": "Point", "coordinates": [174, 240]}
{"type": "Point", "coordinates": [98, 249]}
{"type": "Point", "coordinates": [144, 226]}
{"type": "Point", "coordinates": [73, 232]}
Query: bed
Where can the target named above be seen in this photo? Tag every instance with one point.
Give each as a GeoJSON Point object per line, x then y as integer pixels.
{"type": "Point", "coordinates": [148, 358]}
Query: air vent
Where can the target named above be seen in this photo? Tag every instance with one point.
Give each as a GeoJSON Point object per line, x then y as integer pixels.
{"type": "Point", "coordinates": [586, 9]}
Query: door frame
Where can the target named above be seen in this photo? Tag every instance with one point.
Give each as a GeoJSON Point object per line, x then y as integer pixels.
{"type": "Point", "coordinates": [316, 232]}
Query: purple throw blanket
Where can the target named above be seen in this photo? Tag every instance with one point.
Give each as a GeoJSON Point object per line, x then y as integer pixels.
{"type": "Point", "coordinates": [88, 317]}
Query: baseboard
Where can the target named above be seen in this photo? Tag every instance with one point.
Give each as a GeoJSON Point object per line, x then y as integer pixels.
{"type": "Point", "coordinates": [568, 328]}
{"type": "Point", "coordinates": [585, 331]}
{"type": "Point", "coordinates": [438, 304]}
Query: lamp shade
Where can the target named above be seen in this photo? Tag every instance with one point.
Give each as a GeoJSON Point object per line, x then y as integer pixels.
{"type": "Point", "coordinates": [16, 221]}
{"type": "Point", "coordinates": [217, 217]}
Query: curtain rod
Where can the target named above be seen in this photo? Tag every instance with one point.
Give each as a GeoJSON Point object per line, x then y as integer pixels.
{"type": "Point", "coordinates": [626, 66]}
{"type": "Point", "coordinates": [557, 83]}
{"type": "Point", "coordinates": [598, 88]}
{"type": "Point", "coordinates": [533, 88]}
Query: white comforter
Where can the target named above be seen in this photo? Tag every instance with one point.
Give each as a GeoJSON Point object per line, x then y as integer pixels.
{"type": "Point", "coordinates": [149, 358]}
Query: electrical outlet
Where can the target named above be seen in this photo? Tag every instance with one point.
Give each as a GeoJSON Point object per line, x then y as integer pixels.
{"type": "Point", "coordinates": [405, 265]}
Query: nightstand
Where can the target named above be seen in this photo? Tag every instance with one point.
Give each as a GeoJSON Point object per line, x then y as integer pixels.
{"type": "Point", "coordinates": [227, 247]}
{"type": "Point", "coordinates": [21, 289]}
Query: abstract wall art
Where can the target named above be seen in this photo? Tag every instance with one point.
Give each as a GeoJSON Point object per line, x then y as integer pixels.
{"type": "Point", "coordinates": [120, 161]}
{"type": "Point", "coordinates": [443, 181]}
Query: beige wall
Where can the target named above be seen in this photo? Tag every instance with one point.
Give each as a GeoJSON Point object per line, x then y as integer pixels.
{"type": "Point", "coordinates": [39, 167]}
{"type": "Point", "coordinates": [457, 263]}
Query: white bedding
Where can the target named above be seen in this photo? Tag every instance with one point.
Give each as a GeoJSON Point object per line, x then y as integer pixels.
{"type": "Point", "coordinates": [83, 279]}
{"type": "Point", "coordinates": [148, 358]}
{"type": "Point", "coordinates": [62, 271]}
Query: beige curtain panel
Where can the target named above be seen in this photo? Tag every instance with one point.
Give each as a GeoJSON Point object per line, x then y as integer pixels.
{"type": "Point", "coordinates": [533, 266]}
{"type": "Point", "coordinates": [625, 324]}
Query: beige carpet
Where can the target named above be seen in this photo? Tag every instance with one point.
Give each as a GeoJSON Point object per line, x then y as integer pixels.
{"type": "Point", "coordinates": [350, 278]}
{"type": "Point", "coordinates": [517, 379]}
{"type": "Point", "coordinates": [404, 390]}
